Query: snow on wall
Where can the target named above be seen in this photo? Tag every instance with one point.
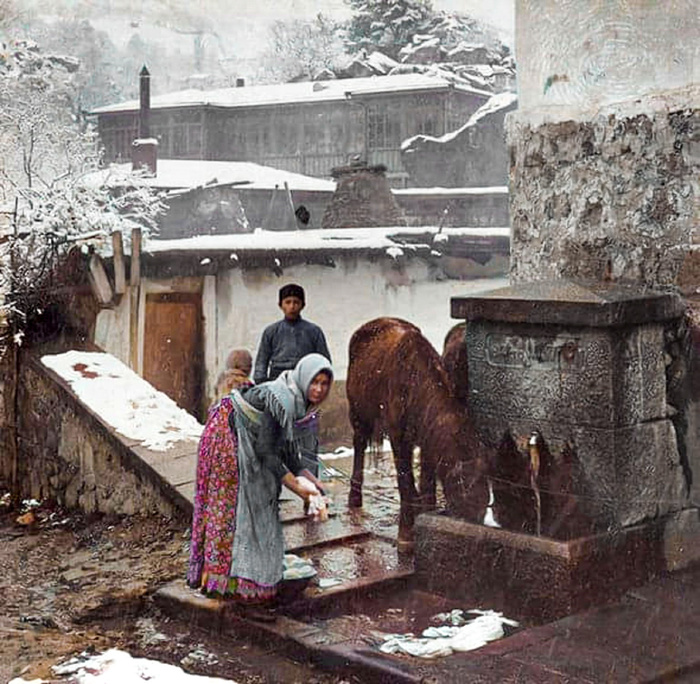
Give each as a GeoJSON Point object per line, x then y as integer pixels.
{"type": "Point", "coordinates": [124, 400]}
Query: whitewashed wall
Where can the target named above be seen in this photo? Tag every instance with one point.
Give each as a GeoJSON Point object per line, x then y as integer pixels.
{"type": "Point", "coordinates": [579, 56]}
{"type": "Point", "coordinates": [238, 304]}
{"type": "Point", "coordinates": [338, 299]}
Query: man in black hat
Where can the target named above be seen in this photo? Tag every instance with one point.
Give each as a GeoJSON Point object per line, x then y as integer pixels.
{"type": "Point", "coordinates": [283, 343]}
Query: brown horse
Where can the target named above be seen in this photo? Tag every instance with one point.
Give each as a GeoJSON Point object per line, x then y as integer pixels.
{"type": "Point", "coordinates": [454, 358]}
{"type": "Point", "coordinates": [398, 387]}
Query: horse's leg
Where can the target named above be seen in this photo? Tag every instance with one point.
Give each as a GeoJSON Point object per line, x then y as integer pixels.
{"type": "Point", "coordinates": [360, 439]}
{"type": "Point", "coordinates": [403, 460]}
{"type": "Point", "coordinates": [428, 495]}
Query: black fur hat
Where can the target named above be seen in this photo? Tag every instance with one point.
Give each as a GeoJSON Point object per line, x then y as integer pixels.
{"type": "Point", "coordinates": [292, 290]}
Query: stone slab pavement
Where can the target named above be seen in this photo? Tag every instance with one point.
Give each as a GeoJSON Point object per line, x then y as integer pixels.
{"type": "Point", "coordinates": [651, 635]}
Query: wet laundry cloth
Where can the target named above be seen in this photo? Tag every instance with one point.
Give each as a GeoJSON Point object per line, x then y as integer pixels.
{"type": "Point", "coordinates": [461, 634]}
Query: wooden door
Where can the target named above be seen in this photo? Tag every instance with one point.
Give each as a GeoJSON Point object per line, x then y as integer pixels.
{"type": "Point", "coordinates": [173, 347]}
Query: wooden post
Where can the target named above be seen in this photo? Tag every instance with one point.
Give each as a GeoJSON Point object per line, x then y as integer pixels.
{"type": "Point", "coordinates": [99, 281]}
{"type": "Point", "coordinates": [134, 282]}
{"type": "Point", "coordinates": [270, 206]}
{"type": "Point", "coordinates": [118, 261]}
{"type": "Point", "coordinates": [290, 202]}
{"type": "Point", "coordinates": [135, 274]}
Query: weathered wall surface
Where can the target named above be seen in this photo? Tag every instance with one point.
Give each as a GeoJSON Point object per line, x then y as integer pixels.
{"type": "Point", "coordinates": [472, 156]}
{"type": "Point", "coordinates": [483, 206]}
{"type": "Point", "coordinates": [238, 303]}
{"type": "Point", "coordinates": [576, 58]}
{"type": "Point", "coordinates": [67, 455]}
{"type": "Point", "coordinates": [615, 197]}
{"type": "Point", "coordinates": [340, 299]}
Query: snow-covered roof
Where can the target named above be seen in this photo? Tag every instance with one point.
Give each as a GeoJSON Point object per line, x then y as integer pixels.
{"type": "Point", "coordinates": [180, 174]}
{"type": "Point", "coordinates": [122, 399]}
{"type": "Point", "coordinates": [381, 62]}
{"type": "Point", "coordinates": [494, 104]}
{"type": "Point", "coordinates": [452, 192]}
{"type": "Point", "coordinates": [340, 239]}
{"type": "Point", "coordinates": [295, 93]}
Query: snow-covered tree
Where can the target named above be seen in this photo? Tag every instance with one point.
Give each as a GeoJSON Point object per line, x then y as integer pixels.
{"type": "Point", "coordinates": [385, 25]}
{"type": "Point", "coordinates": [104, 76]}
{"type": "Point", "coordinates": [47, 204]}
{"type": "Point", "coordinates": [301, 49]}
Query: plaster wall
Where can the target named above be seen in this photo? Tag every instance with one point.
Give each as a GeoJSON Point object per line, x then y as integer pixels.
{"type": "Point", "coordinates": [112, 329]}
{"type": "Point", "coordinates": [605, 145]}
{"type": "Point", "coordinates": [576, 58]}
{"type": "Point", "coordinates": [339, 299]}
{"type": "Point", "coordinates": [237, 304]}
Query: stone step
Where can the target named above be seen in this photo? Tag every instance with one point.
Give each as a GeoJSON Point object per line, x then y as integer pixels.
{"type": "Point", "coordinates": [339, 652]}
{"type": "Point", "coordinates": [307, 533]}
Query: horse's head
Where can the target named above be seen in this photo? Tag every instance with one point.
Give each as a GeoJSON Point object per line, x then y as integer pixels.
{"type": "Point", "coordinates": [466, 487]}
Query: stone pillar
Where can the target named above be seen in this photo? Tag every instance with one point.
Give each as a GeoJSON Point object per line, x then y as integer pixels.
{"type": "Point", "coordinates": [605, 145]}
{"type": "Point", "coordinates": [589, 346]}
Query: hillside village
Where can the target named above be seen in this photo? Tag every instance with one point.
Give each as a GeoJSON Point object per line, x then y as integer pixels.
{"type": "Point", "coordinates": [539, 231]}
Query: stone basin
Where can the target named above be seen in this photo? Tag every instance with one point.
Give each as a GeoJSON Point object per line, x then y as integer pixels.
{"type": "Point", "coordinates": [537, 579]}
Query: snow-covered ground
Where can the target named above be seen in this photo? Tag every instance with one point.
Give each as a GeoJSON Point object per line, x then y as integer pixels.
{"type": "Point", "coordinates": [118, 667]}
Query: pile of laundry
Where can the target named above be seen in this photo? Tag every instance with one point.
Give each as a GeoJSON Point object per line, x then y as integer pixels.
{"type": "Point", "coordinates": [297, 568]}
{"type": "Point", "coordinates": [456, 632]}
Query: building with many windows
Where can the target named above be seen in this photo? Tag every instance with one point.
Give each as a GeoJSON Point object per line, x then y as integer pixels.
{"type": "Point", "coordinates": [306, 128]}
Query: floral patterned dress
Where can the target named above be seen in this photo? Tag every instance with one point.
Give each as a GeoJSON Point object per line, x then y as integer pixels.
{"type": "Point", "coordinates": [214, 517]}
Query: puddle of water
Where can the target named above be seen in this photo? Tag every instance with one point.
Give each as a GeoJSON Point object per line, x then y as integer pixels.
{"type": "Point", "coordinates": [370, 559]}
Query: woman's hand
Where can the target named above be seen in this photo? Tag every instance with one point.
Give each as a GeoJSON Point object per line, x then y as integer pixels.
{"type": "Point", "coordinates": [304, 492]}
{"type": "Point", "coordinates": [308, 475]}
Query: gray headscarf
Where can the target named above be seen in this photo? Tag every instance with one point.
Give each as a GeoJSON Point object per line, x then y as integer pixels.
{"type": "Point", "coordinates": [287, 396]}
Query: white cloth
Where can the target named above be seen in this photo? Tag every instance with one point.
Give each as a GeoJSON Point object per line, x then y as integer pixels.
{"type": "Point", "coordinates": [447, 639]}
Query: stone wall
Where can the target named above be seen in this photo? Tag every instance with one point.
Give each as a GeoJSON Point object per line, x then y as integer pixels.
{"type": "Point", "coordinates": [613, 198]}
{"type": "Point", "coordinates": [7, 417]}
{"type": "Point", "coordinates": [67, 455]}
{"type": "Point", "coordinates": [471, 207]}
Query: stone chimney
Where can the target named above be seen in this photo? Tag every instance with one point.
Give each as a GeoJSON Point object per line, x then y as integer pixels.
{"type": "Point", "coordinates": [144, 150]}
{"type": "Point", "coordinates": [362, 199]}
{"type": "Point", "coordinates": [144, 155]}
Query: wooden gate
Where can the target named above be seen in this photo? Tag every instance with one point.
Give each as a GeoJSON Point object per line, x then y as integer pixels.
{"type": "Point", "coordinates": [173, 347]}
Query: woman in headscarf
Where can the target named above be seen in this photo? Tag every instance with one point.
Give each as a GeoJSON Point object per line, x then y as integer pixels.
{"type": "Point", "coordinates": [254, 442]}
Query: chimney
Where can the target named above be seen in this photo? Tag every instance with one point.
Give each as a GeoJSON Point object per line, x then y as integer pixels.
{"type": "Point", "coordinates": [240, 82]}
{"type": "Point", "coordinates": [144, 150]}
{"type": "Point", "coordinates": [144, 155]}
{"type": "Point", "coordinates": [144, 103]}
